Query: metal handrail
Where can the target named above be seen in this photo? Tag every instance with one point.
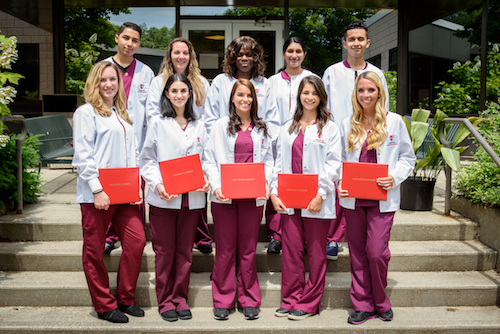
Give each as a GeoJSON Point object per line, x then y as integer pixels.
{"type": "Point", "coordinates": [19, 155]}
{"type": "Point", "coordinates": [449, 144]}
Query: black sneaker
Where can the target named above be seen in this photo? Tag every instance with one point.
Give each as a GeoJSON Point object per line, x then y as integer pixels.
{"type": "Point", "coordinates": [358, 317]}
{"type": "Point", "coordinates": [298, 315]}
{"type": "Point", "coordinates": [133, 310]}
{"type": "Point", "coordinates": [115, 316]}
{"type": "Point", "coordinates": [274, 246]}
{"type": "Point", "coordinates": [386, 316]}
{"type": "Point", "coordinates": [108, 247]}
{"type": "Point", "coordinates": [221, 314]}
{"type": "Point", "coordinates": [281, 312]}
{"type": "Point", "coordinates": [184, 314]}
{"type": "Point", "coordinates": [205, 248]}
{"type": "Point", "coordinates": [251, 313]}
{"type": "Point", "coordinates": [170, 315]}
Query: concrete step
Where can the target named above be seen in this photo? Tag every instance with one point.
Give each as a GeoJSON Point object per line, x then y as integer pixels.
{"type": "Point", "coordinates": [59, 221]}
{"type": "Point", "coordinates": [405, 289]}
{"type": "Point", "coordinates": [406, 256]}
{"type": "Point", "coordinates": [76, 320]}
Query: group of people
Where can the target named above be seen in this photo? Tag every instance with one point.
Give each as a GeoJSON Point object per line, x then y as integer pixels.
{"type": "Point", "coordinates": [294, 123]}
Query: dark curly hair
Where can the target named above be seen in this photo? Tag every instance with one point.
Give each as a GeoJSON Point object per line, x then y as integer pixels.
{"type": "Point", "coordinates": [234, 120]}
{"type": "Point", "coordinates": [323, 114]}
{"type": "Point", "coordinates": [248, 43]}
{"type": "Point", "coordinates": [167, 109]}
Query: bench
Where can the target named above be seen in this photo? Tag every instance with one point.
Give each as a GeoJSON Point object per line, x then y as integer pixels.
{"type": "Point", "coordinates": [56, 140]}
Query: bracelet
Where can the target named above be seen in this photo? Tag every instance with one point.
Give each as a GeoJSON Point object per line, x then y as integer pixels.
{"type": "Point", "coordinates": [98, 192]}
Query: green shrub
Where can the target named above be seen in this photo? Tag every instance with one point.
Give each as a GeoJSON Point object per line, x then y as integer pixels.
{"type": "Point", "coordinates": [8, 170]}
{"type": "Point", "coordinates": [392, 86]}
{"type": "Point", "coordinates": [480, 182]}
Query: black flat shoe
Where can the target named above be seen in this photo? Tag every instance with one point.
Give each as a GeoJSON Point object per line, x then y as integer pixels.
{"type": "Point", "coordinates": [133, 310]}
{"type": "Point", "coordinates": [170, 315]}
{"type": "Point", "coordinates": [108, 247]}
{"type": "Point", "coordinates": [221, 314]}
{"type": "Point", "coordinates": [184, 314]}
{"type": "Point", "coordinates": [205, 249]}
{"type": "Point", "coordinates": [250, 313]}
{"type": "Point", "coordinates": [115, 316]}
{"type": "Point", "coordinates": [281, 312]}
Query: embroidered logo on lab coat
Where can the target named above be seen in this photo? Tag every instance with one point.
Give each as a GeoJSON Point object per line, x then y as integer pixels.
{"type": "Point", "coordinates": [198, 142]}
{"type": "Point", "coordinates": [393, 140]}
{"type": "Point", "coordinates": [257, 93]}
{"type": "Point", "coordinates": [141, 89]}
{"type": "Point", "coordinates": [262, 146]}
{"type": "Point", "coordinates": [319, 140]}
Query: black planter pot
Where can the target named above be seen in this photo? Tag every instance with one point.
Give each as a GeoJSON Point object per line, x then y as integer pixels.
{"type": "Point", "coordinates": [417, 195]}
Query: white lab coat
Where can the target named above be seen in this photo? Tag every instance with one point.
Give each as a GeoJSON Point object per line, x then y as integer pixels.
{"type": "Point", "coordinates": [339, 83]}
{"type": "Point", "coordinates": [321, 156]}
{"type": "Point", "coordinates": [155, 92]}
{"type": "Point", "coordinates": [99, 142]}
{"type": "Point", "coordinates": [396, 151]}
{"type": "Point", "coordinates": [219, 95]}
{"type": "Point", "coordinates": [286, 91]}
{"type": "Point", "coordinates": [136, 103]}
{"type": "Point", "coordinates": [220, 150]}
{"type": "Point", "coordinates": [166, 140]}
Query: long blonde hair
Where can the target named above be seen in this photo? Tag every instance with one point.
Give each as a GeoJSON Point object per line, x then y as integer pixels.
{"type": "Point", "coordinates": [378, 134]}
{"type": "Point", "coordinates": [192, 71]}
{"type": "Point", "coordinates": [92, 95]}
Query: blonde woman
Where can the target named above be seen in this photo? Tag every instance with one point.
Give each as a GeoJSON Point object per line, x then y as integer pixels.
{"type": "Point", "coordinates": [373, 135]}
{"type": "Point", "coordinates": [104, 138]}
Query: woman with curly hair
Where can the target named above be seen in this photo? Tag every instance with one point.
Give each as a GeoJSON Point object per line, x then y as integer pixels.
{"type": "Point", "coordinates": [373, 135]}
{"type": "Point", "coordinates": [244, 60]}
{"type": "Point", "coordinates": [181, 58]}
{"type": "Point", "coordinates": [104, 138]}
{"type": "Point", "coordinates": [240, 137]}
{"type": "Point", "coordinates": [311, 127]}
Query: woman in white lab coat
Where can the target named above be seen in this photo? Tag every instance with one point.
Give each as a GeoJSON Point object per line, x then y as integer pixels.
{"type": "Point", "coordinates": [373, 135]}
{"type": "Point", "coordinates": [104, 138]}
{"type": "Point", "coordinates": [173, 217]}
{"type": "Point", "coordinates": [241, 137]}
{"type": "Point", "coordinates": [308, 144]}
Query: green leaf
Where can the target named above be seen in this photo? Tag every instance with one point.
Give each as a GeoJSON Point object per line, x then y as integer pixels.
{"type": "Point", "coordinates": [5, 40]}
{"type": "Point", "coordinates": [11, 77]}
{"type": "Point", "coordinates": [418, 133]}
{"type": "Point", "coordinates": [420, 115]}
{"type": "Point", "coordinates": [452, 158]}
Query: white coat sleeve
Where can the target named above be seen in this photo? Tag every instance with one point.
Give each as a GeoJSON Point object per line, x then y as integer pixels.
{"type": "Point", "coordinates": [331, 173]}
{"type": "Point", "coordinates": [268, 160]}
{"type": "Point", "coordinates": [406, 159]}
{"type": "Point", "coordinates": [278, 163]}
{"type": "Point", "coordinates": [148, 159]}
{"type": "Point", "coordinates": [212, 105]}
{"type": "Point", "coordinates": [326, 81]}
{"type": "Point", "coordinates": [84, 136]}
{"type": "Point", "coordinates": [210, 164]}
{"type": "Point", "coordinates": [153, 100]}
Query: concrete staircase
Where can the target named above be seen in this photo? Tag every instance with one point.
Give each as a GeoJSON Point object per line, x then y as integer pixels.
{"type": "Point", "coordinates": [441, 279]}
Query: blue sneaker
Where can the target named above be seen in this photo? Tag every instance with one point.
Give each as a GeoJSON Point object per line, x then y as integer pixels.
{"type": "Point", "coordinates": [332, 251]}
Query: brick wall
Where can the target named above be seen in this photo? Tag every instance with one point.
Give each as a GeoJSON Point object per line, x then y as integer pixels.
{"type": "Point", "coordinates": [30, 34]}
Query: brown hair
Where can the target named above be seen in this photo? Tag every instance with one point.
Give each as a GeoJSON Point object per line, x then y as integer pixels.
{"type": "Point", "coordinates": [234, 120]}
{"type": "Point", "coordinates": [248, 43]}
{"type": "Point", "coordinates": [192, 71]}
{"type": "Point", "coordinates": [323, 114]}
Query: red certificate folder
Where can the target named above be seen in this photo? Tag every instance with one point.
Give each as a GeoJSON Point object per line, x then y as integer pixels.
{"type": "Point", "coordinates": [243, 180]}
{"type": "Point", "coordinates": [182, 175]}
{"type": "Point", "coordinates": [297, 190]}
{"type": "Point", "coordinates": [360, 180]}
{"type": "Point", "coordinates": [120, 184]}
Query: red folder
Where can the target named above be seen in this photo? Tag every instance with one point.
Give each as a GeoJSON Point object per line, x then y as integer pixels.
{"type": "Point", "coordinates": [360, 180]}
{"type": "Point", "coordinates": [297, 190]}
{"type": "Point", "coordinates": [243, 180]}
{"type": "Point", "coordinates": [120, 184]}
{"type": "Point", "coordinates": [182, 175]}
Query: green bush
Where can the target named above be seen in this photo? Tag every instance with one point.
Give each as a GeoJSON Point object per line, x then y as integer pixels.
{"type": "Point", "coordinates": [8, 170]}
{"type": "Point", "coordinates": [480, 182]}
{"type": "Point", "coordinates": [462, 95]}
{"type": "Point", "coordinates": [392, 86]}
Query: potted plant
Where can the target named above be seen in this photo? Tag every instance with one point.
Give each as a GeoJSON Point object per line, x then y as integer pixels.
{"type": "Point", "coordinates": [417, 192]}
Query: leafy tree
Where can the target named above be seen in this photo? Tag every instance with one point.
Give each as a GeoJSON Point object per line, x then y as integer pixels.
{"type": "Point", "coordinates": [462, 95]}
{"type": "Point", "coordinates": [81, 23]}
{"type": "Point", "coordinates": [156, 38]}
{"type": "Point", "coordinates": [322, 30]}
{"type": "Point", "coordinates": [79, 61]}
{"type": "Point", "coordinates": [8, 56]}
{"type": "Point", "coordinates": [471, 19]}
